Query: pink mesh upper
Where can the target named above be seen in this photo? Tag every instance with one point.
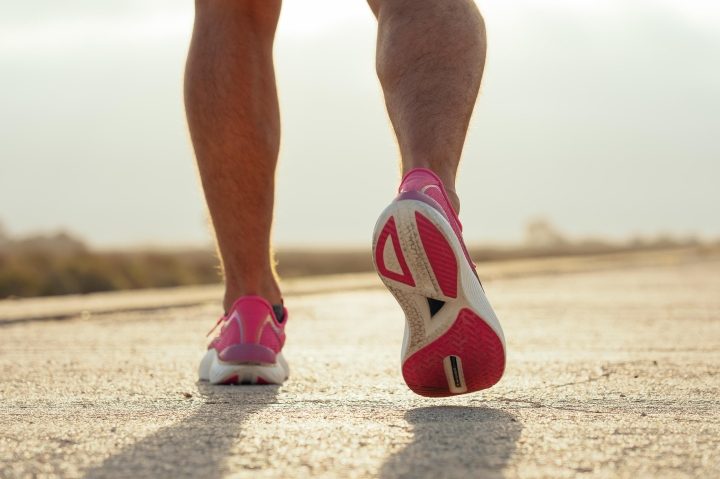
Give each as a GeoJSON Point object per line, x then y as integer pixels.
{"type": "Point", "coordinates": [251, 320]}
{"type": "Point", "coordinates": [427, 182]}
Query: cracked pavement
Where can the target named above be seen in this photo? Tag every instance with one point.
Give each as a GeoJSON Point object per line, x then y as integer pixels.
{"type": "Point", "coordinates": [612, 372]}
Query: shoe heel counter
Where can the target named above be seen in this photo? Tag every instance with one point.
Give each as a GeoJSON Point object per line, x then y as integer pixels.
{"type": "Point", "coordinates": [260, 327]}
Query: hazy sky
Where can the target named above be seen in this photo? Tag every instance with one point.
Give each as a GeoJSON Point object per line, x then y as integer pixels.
{"type": "Point", "coordinates": [602, 116]}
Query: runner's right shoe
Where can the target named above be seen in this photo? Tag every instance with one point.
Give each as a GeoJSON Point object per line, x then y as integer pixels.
{"type": "Point", "coordinates": [453, 341]}
{"type": "Point", "coordinates": [248, 348]}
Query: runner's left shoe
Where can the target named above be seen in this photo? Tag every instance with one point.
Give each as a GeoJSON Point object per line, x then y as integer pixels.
{"type": "Point", "coordinates": [248, 348]}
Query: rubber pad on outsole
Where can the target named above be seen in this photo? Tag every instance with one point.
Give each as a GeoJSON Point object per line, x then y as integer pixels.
{"type": "Point", "coordinates": [440, 255]}
{"type": "Point", "coordinates": [235, 380]}
{"type": "Point", "coordinates": [231, 380]}
{"type": "Point", "coordinates": [471, 339]}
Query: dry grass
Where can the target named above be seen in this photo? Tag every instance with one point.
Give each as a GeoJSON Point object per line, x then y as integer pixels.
{"type": "Point", "coordinates": [61, 264]}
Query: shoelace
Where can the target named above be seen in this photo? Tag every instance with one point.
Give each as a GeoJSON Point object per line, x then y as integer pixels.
{"type": "Point", "coordinates": [222, 318]}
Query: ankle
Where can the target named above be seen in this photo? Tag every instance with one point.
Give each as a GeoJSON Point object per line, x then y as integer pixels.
{"type": "Point", "coordinates": [269, 290]}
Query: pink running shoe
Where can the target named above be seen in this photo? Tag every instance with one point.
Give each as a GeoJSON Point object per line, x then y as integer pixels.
{"type": "Point", "coordinates": [247, 350]}
{"type": "Point", "coordinates": [453, 341]}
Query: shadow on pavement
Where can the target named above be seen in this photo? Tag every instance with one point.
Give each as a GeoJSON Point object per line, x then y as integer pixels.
{"type": "Point", "coordinates": [199, 444]}
{"type": "Point", "coordinates": [456, 442]}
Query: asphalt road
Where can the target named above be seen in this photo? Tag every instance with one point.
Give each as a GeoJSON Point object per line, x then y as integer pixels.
{"type": "Point", "coordinates": [612, 372]}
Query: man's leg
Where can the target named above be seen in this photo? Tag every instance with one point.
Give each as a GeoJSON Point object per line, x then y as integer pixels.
{"type": "Point", "coordinates": [232, 111]}
{"type": "Point", "coordinates": [430, 60]}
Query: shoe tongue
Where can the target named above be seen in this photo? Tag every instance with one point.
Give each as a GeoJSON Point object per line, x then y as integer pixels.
{"type": "Point", "coordinates": [279, 311]}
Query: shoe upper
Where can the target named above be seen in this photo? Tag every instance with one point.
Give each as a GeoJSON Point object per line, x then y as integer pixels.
{"type": "Point", "coordinates": [250, 332]}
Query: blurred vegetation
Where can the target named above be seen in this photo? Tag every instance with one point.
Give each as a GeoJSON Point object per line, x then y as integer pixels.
{"type": "Point", "coordinates": [41, 273]}
{"type": "Point", "coordinates": [61, 264]}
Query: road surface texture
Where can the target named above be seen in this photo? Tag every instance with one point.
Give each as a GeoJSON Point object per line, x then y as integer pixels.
{"type": "Point", "coordinates": [612, 372]}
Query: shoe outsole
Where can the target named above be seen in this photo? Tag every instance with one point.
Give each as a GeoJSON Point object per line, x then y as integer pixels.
{"type": "Point", "coordinates": [479, 352]}
{"type": "Point", "coordinates": [216, 371]}
{"type": "Point", "coordinates": [453, 341]}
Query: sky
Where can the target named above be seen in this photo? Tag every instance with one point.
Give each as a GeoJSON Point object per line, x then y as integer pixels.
{"type": "Point", "coordinates": [599, 115]}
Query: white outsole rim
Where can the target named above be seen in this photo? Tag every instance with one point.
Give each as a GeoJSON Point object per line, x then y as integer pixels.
{"type": "Point", "coordinates": [216, 371]}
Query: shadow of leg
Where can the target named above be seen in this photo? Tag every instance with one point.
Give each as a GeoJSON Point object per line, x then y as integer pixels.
{"type": "Point", "coordinates": [198, 445]}
{"type": "Point", "coordinates": [456, 442]}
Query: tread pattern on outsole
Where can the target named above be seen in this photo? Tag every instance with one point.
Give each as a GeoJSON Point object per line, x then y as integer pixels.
{"type": "Point", "coordinates": [231, 380]}
{"type": "Point", "coordinates": [440, 255]}
{"type": "Point", "coordinates": [235, 380]}
{"type": "Point", "coordinates": [471, 339]}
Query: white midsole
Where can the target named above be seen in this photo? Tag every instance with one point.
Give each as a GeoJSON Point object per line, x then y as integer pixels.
{"type": "Point", "coordinates": [216, 371]}
{"type": "Point", "coordinates": [420, 328]}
